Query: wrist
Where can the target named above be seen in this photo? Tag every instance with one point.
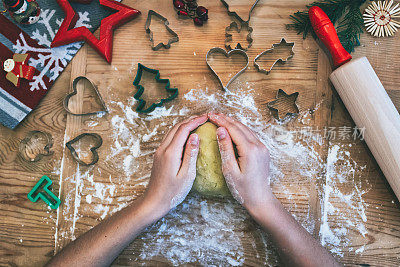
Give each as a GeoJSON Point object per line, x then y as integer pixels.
{"type": "Point", "coordinates": [263, 207]}
{"type": "Point", "coordinates": [145, 210]}
{"type": "Point", "coordinates": [158, 207]}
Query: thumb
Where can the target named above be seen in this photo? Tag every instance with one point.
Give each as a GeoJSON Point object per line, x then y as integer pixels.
{"type": "Point", "coordinates": [188, 167]}
{"type": "Point", "coordinates": [229, 163]}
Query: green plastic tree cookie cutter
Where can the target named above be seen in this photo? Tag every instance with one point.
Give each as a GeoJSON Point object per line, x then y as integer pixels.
{"type": "Point", "coordinates": [41, 190]}
{"type": "Point", "coordinates": [142, 103]}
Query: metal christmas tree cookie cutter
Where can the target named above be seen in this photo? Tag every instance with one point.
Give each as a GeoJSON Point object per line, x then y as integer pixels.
{"type": "Point", "coordinates": [74, 92]}
{"type": "Point", "coordinates": [227, 55]}
{"type": "Point", "coordinates": [235, 26]}
{"type": "Point", "coordinates": [98, 142]}
{"type": "Point", "coordinates": [282, 43]}
{"type": "Point", "coordinates": [173, 39]}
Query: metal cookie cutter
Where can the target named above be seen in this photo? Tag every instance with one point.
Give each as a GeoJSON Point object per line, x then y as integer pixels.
{"type": "Point", "coordinates": [42, 190]}
{"type": "Point", "coordinates": [284, 102]}
{"type": "Point", "coordinates": [227, 55]}
{"type": "Point", "coordinates": [174, 39]}
{"type": "Point", "coordinates": [35, 145]}
{"type": "Point", "coordinates": [98, 142]}
{"type": "Point", "coordinates": [68, 97]}
{"type": "Point", "coordinates": [228, 36]}
{"type": "Point", "coordinates": [235, 15]}
{"type": "Point", "coordinates": [281, 60]}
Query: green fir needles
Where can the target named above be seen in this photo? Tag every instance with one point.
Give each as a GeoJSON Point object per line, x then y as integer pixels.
{"type": "Point", "coordinates": [345, 14]}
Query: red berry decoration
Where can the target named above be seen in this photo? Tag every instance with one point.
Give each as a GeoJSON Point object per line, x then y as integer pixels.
{"type": "Point", "coordinates": [189, 8]}
{"type": "Point", "coordinates": [202, 12]}
{"type": "Point", "coordinates": [198, 22]}
{"type": "Point", "coordinates": [182, 13]}
{"type": "Point", "coordinates": [178, 4]}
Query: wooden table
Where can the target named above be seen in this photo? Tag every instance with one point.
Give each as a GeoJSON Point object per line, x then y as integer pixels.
{"type": "Point", "coordinates": [345, 202]}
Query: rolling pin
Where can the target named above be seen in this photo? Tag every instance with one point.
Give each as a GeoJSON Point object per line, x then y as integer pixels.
{"type": "Point", "coordinates": [365, 98]}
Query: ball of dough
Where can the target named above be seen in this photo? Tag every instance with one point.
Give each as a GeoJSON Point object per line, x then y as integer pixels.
{"type": "Point", "coordinates": [209, 178]}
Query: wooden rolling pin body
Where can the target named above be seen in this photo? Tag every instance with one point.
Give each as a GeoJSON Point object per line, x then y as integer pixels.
{"type": "Point", "coordinates": [365, 98]}
{"type": "Point", "coordinates": [370, 106]}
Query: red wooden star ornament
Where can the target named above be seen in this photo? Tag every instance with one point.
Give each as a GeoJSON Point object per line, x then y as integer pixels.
{"type": "Point", "coordinates": [68, 34]}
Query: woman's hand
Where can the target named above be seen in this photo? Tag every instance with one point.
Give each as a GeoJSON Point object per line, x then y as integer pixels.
{"type": "Point", "coordinates": [248, 177]}
{"type": "Point", "coordinates": [248, 180]}
{"type": "Point", "coordinates": [174, 166]}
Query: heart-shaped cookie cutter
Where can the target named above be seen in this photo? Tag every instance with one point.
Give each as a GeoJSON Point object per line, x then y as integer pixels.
{"type": "Point", "coordinates": [74, 92]}
{"type": "Point", "coordinates": [227, 55]}
{"type": "Point", "coordinates": [98, 142]}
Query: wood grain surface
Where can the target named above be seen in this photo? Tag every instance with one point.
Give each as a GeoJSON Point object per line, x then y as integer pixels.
{"type": "Point", "coordinates": [31, 232]}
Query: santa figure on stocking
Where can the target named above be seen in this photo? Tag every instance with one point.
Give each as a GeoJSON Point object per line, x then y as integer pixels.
{"type": "Point", "coordinates": [17, 69]}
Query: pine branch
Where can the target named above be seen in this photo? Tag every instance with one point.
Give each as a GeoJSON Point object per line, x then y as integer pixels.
{"type": "Point", "coordinates": [349, 28]}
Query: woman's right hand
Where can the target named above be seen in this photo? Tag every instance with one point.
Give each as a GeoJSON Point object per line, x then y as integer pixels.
{"type": "Point", "coordinates": [248, 176]}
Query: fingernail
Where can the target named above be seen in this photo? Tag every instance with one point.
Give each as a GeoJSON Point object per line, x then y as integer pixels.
{"type": "Point", "coordinates": [194, 140]}
{"type": "Point", "coordinates": [221, 133]}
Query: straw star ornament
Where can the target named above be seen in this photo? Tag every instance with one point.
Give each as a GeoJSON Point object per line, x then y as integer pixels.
{"type": "Point", "coordinates": [379, 18]}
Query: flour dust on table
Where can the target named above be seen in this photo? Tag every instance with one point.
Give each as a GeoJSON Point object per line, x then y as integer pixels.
{"type": "Point", "coordinates": [212, 232]}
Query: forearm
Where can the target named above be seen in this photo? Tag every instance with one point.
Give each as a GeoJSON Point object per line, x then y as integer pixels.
{"type": "Point", "coordinates": [103, 243]}
{"type": "Point", "coordinates": [295, 245]}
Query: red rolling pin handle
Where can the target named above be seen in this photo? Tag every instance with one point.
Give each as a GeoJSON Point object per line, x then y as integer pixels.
{"type": "Point", "coordinates": [326, 32]}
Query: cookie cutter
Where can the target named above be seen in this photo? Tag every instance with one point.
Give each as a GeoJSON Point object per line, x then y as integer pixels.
{"type": "Point", "coordinates": [280, 97]}
{"type": "Point", "coordinates": [41, 190]}
{"type": "Point", "coordinates": [140, 88]}
{"type": "Point", "coordinates": [236, 16]}
{"type": "Point", "coordinates": [98, 143]}
{"type": "Point", "coordinates": [68, 97]}
{"type": "Point", "coordinates": [228, 36]}
{"type": "Point", "coordinates": [173, 39]}
{"type": "Point", "coordinates": [28, 149]}
{"type": "Point", "coordinates": [227, 55]}
{"type": "Point", "coordinates": [280, 60]}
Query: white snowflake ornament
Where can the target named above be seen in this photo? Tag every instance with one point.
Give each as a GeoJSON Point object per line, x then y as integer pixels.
{"type": "Point", "coordinates": [379, 18]}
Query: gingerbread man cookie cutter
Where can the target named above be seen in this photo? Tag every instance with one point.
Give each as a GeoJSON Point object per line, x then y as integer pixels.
{"type": "Point", "coordinates": [235, 26]}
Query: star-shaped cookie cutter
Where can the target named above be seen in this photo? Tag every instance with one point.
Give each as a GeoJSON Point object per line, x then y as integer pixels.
{"type": "Point", "coordinates": [228, 36]}
{"type": "Point", "coordinates": [280, 60]}
{"type": "Point", "coordinates": [142, 102]}
{"type": "Point", "coordinates": [227, 55]}
{"type": "Point", "coordinates": [281, 98]}
{"type": "Point", "coordinates": [174, 39]}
